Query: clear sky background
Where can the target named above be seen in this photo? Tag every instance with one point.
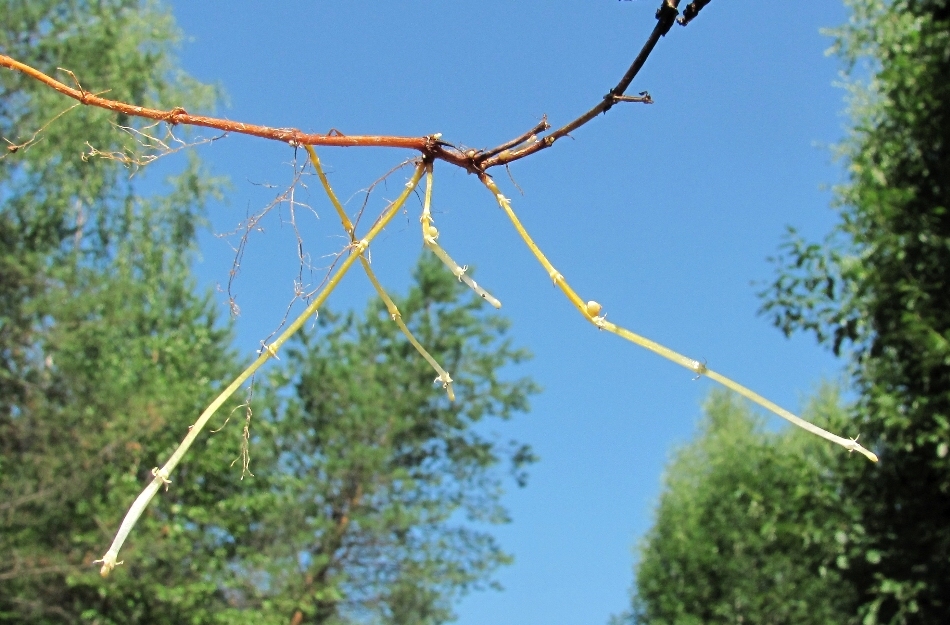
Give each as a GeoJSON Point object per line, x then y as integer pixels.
{"type": "Point", "coordinates": [665, 214]}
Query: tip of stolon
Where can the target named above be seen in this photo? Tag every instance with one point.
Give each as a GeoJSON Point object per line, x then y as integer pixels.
{"type": "Point", "coordinates": [108, 563]}
{"type": "Point", "coordinates": [856, 446]}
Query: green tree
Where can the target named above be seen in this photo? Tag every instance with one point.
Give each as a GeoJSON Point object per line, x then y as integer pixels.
{"type": "Point", "coordinates": [367, 478]}
{"type": "Point", "coordinates": [878, 289]}
{"type": "Point", "coordinates": [372, 473]}
{"type": "Point", "coordinates": [752, 527]}
{"type": "Point", "coordinates": [106, 352]}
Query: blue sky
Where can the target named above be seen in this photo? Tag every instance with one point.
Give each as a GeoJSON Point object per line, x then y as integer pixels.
{"type": "Point", "coordinates": [665, 214]}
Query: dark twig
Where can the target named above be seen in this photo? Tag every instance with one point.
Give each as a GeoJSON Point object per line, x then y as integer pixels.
{"type": "Point", "coordinates": [691, 11]}
{"type": "Point", "coordinates": [666, 17]}
{"type": "Point", "coordinates": [644, 98]}
{"type": "Point", "coordinates": [541, 127]}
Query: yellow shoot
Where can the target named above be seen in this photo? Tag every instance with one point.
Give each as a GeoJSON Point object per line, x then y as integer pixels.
{"type": "Point", "coordinates": [443, 376]}
{"type": "Point", "coordinates": [357, 248]}
{"type": "Point", "coordinates": [591, 311]}
{"type": "Point", "coordinates": [429, 236]}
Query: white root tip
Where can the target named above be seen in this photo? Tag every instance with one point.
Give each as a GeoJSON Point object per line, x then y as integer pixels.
{"type": "Point", "coordinates": [108, 563]}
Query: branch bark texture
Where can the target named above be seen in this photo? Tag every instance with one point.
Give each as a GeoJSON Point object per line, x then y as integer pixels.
{"type": "Point", "coordinates": [431, 146]}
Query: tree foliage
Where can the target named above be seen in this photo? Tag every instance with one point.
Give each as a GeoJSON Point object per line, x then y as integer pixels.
{"type": "Point", "coordinates": [105, 349]}
{"type": "Point", "coordinates": [879, 285]}
{"type": "Point", "coordinates": [837, 541]}
{"type": "Point", "coordinates": [365, 477]}
{"type": "Point", "coordinates": [752, 527]}
{"type": "Point", "coordinates": [374, 472]}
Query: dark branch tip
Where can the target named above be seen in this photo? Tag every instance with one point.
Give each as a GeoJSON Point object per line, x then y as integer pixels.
{"type": "Point", "coordinates": [691, 11]}
{"type": "Point", "coordinates": [666, 15]}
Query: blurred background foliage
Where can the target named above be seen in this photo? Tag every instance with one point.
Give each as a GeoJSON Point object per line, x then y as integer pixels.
{"type": "Point", "coordinates": [876, 291]}
{"type": "Point", "coordinates": [366, 479]}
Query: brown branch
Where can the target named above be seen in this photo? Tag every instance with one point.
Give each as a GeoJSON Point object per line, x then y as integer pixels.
{"type": "Point", "coordinates": [471, 160]}
{"type": "Point", "coordinates": [179, 115]}
{"type": "Point", "coordinates": [524, 138]}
